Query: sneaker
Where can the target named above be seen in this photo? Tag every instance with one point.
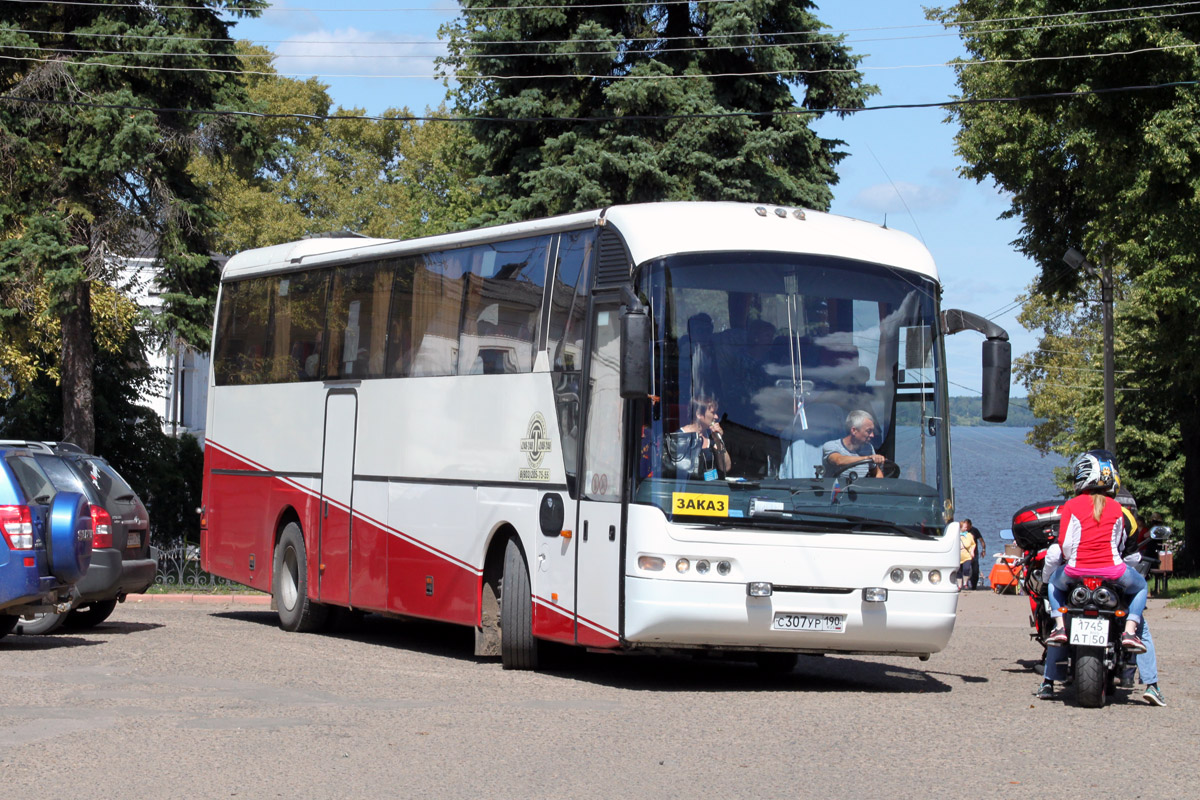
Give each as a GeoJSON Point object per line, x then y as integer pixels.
{"type": "Point", "coordinates": [1046, 691]}
{"type": "Point", "coordinates": [1059, 636]}
{"type": "Point", "coordinates": [1132, 643]}
{"type": "Point", "coordinates": [1153, 695]}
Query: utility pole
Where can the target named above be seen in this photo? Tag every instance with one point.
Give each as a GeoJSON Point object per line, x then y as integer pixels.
{"type": "Point", "coordinates": [1110, 403]}
{"type": "Point", "coordinates": [1075, 260]}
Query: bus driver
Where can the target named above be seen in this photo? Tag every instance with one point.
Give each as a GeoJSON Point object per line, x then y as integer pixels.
{"type": "Point", "coordinates": [854, 453]}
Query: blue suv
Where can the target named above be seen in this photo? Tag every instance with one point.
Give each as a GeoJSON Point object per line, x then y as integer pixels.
{"type": "Point", "coordinates": [45, 540]}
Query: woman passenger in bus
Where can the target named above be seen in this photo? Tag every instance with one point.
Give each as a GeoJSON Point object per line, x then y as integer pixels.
{"type": "Point", "coordinates": [698, 448]}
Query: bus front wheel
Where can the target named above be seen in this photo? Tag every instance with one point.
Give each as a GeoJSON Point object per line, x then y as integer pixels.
{"type": "Point", "coordinates": [518, 648]}
{"type": "Point", "coordinates": [297, 612]}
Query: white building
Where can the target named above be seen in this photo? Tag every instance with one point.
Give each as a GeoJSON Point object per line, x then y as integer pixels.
{"type": "Point", "coordinates": [180, 391]}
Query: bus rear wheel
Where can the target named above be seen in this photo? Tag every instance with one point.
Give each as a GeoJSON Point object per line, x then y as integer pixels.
{"type": "Point", "coordinates": [297, 612]}
{"type": "Point", "coordinates": [518, 648]}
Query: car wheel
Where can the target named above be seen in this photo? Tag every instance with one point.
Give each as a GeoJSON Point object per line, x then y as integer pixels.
{"type": "Point", "coordinates": [289, 583]}
{"type": "Point", "coordinates": [7, 623]}
{"type": "Point", "coordinates": [91, 615]}
{"type": "Point", "coordinates": [41, 624]}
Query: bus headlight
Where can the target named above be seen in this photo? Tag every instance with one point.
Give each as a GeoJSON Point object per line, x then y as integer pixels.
{"type": "Point", "coordinates": [702, 567]}
{"type": "Point", "coordinates": [915, 576]}
{"type": "Point", "coordinates": [682, 565]}
{"type": "Point", "coordinates": [874, 594]}
{"type": "Point", "coordinates": [723, 567]}
{"type": "Point", "coordinates": [935, 576]}
{"type": "Point", "coordinates": [758, 589]}
{"type": "Point", "coordinates": [897, 575]}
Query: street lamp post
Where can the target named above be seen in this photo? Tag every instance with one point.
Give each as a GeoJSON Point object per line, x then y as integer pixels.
{"type": "Point", "coordinates": [1075, 259]}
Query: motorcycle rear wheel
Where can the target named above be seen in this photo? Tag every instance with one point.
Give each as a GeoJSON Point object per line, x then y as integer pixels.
{"type": "Point", "coordinates": [1091, 684]}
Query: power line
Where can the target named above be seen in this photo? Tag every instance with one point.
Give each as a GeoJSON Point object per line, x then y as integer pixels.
{"type": "Point", "coordinates": [233, 7]}
{"type": "Point", "coordinates": [612, 117]}
{"type": "Point", "coordinates": [829, 37]}
{"type": "Point", "coordinates": [574, 75]}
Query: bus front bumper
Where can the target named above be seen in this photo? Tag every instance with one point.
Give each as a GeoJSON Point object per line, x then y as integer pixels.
{"type": "Point", "coordinates": [675, 613]}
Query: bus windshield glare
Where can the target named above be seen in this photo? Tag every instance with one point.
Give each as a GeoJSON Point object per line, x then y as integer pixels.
{"type": "Point", "coordinates": [763, 363]}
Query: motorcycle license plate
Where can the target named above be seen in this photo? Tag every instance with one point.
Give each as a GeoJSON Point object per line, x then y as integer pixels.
{"type": "Point", "coordinates": [825, 623]}
{"type": "Point", "coordinates": [1089, 632]}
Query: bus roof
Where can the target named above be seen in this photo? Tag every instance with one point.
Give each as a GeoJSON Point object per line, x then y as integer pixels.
{"type": "Point", "coordinates": [650, 230]}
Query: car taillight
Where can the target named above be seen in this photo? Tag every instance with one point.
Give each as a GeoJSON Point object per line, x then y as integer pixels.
{"type": "Point", "coordinates": [17, 524]}
{"type": "Point", "coordinates": [101, 528]}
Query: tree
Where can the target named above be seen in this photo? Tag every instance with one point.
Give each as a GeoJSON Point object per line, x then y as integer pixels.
{"type": "Point", "coordinates": [615, 103]}
{"type": "Point", "coordinates": [93, 167]}
{"type": "Point", "coordinates": [1115, 172]}
{"type": "Point", "coordinates": [389, 177]}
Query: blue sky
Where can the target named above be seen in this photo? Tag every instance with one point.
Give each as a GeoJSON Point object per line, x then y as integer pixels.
{"type": "Point", "coordinates": [902, 167]}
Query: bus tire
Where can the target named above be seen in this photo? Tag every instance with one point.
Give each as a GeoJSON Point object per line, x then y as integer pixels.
{"type": "Point", "coordinates": [297, 611]}
{"type": "Point", "coordinates": [1090, 681]}
{"type": "Point", "coordinates": [518, 648]}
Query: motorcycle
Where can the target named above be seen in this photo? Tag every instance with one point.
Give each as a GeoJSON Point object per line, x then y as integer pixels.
{"type": "Point", "coordinates": [1095, 612]}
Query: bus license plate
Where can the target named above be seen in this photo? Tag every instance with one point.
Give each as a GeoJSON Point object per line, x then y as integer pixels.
{"type": "Point", "coordinates": [1089, 632]}
{"type": "Point", "coordinates": [823, 623]}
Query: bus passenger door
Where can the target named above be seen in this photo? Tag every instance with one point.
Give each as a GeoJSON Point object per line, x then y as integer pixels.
{"type": "Point", "coordinates": [599, 528]}
{"type": "Point", "coordinates": [337, 488]}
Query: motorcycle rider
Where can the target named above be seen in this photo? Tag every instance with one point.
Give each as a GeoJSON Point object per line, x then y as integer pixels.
{"type": "Point", "coordinates": [1054, 668]}
{"type": "Point", "coordinates": [1091, 537]}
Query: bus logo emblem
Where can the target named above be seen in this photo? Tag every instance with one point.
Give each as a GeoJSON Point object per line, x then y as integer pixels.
{"type": "Point", "coordinates": [535, 446]}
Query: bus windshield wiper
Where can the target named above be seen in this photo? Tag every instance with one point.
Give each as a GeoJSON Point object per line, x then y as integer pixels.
{"type": "Point", "coordinates": [852, 522]}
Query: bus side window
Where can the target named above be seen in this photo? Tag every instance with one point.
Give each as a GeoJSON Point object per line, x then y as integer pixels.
{"type": "Point", "coordinates": [437, 309]}
{"type": "Point", "coordinates": [299, 325]}
{"type": "Point", "coordinates": [568, 300]}
{"type": "Point", "coordinates": [502, 307]}
{"type": "Point", "coordinates": [243, 345]}
{"type": "Point", "coordinates": [357, 321]}
{"type": "Point", "coordinates": [401, 321]}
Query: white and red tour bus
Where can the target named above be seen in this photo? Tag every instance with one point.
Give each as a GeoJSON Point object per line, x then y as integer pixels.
{"type": "Point", "coordinates": [485, 428]}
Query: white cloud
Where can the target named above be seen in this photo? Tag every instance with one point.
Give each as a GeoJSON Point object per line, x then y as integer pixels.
{"type": "Point", "coordinates": [904, 197]}
{"type": "Point", "coordinates": [352, 52]}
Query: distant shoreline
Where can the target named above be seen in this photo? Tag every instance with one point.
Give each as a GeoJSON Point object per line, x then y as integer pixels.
{"type": "Point", "coordinates": [966, 412]}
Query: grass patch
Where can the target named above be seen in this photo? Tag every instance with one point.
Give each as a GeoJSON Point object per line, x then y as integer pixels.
{"type": "Point", "coordinates": [1184, 593]}
{"type": "Point", "coordinates": [193, 588]}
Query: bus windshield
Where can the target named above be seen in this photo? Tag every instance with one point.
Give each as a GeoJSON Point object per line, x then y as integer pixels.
{"type": "Point", "coordinates": [763, 364]}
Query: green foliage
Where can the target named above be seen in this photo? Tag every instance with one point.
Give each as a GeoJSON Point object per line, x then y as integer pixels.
{"type": "Point", "coordinates": [390, 178]}
{"type": "Point", "coordinates": [624, 70]}
{"type": "Point", "coordinates": [1115, 174]}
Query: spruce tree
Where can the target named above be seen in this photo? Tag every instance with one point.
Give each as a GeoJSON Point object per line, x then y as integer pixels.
{"type": "Point", "coordinates": [583, 104]}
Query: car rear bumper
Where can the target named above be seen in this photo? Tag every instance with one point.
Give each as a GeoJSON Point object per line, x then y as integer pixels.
{"type": "Point", "coordinates": [110, 575]}
{"type": "Point", "coordinates": [29, 589]}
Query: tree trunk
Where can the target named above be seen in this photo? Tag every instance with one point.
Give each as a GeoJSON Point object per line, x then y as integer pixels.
{"type": "Point", "coordinates": [78, 365]}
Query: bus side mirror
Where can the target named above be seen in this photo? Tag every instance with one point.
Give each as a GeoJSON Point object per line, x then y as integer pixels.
{"type": "Point", "coordinates": [997, 365]}
{"type": "Point", "coordinates": [635, 348]}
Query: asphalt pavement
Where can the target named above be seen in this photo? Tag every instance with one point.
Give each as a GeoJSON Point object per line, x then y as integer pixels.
{"type": "Point", "coordinates": [205, 696]}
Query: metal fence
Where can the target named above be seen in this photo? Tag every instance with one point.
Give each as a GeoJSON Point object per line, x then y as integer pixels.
{"type": "Point", "coordinates": [179, 566]}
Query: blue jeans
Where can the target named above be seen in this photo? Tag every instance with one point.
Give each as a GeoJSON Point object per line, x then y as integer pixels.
{"type": "Point", "coordinates": [1147, 662]}
{"type": "Point", "coordinates": [1130, 583]}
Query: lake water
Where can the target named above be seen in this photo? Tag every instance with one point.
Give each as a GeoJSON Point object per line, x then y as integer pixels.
{"type": "Point", "coordinates": [995, 473]}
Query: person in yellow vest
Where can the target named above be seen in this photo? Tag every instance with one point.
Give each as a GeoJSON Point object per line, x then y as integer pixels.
{"type": "Point", "coordinates": [966, 555]}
